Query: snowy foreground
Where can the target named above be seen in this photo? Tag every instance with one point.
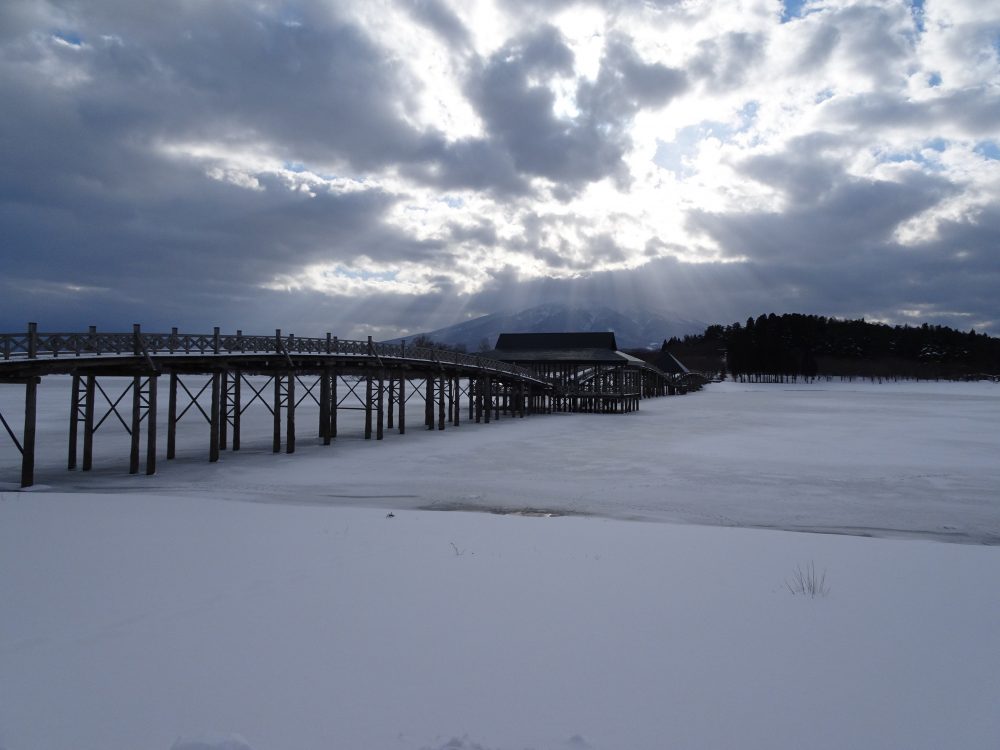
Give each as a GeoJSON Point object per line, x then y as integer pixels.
{"type": "Point", "coordinates": [168, 613]}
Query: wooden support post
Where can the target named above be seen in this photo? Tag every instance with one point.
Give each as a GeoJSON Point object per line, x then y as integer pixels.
{"type": "Point", "coordinates": [441, 402]}
{"type": "Point", "coordinates": [402, 405]}
{"type": "Point", "coordinates": [213, 419]}
{"type": "Point", "coordinates": [389, 423]}
{"type": "Point", "coordinates": [479, 400]}
{"type": "Point", "coordinates": [429, 403]}
{"type": "Point", "coordinates": [172, 416]}
{"type": "Point", "coordinates": [290, 414]}
{"type": "Point", "coordinates": [487, 399]}
{"type": "Point", "coordinates": [368, 407]}
{"type": "Point", "coordinates": [324, 401]}
{"type": "Point", "coordinates": [74, 419]}
{"type": "Point", "coordinates": [276, 428]}
{"type": "Point", "coordinates": [151, 425]}
{"type": "Point", "coordinates": [333, 399]}
{"type": "Point", "coordinates": [224, 409]}
{"type": "Point", "coordinates": [88, 423]}
{"type": "Point", "coordinates": [469, 392]}
{"type": "Point", "coordinates": [496, 402]}
{"type": "Point", "coordinates": [236, 404]}
{"type": "Point", "coordinates": [133, 459]}
{"type": "Point", "coordinates": [456, 406]}
{"type": "Point", "coordinates": [379, 432]}
{"type": "Point", "coordinates": [28, 442]}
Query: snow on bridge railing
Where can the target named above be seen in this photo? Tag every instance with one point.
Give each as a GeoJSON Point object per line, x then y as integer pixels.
{"type": "Point", "coordinates": [34, 344]}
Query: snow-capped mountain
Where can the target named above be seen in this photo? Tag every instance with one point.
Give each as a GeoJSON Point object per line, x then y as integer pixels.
{"type": "Point", "coordinates": [633, 329]}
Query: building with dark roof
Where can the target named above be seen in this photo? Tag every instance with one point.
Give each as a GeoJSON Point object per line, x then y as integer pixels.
{"type": "Point", "coordinates": [587, 368]}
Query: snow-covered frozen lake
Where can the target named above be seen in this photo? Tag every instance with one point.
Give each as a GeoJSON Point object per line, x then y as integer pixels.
{"type": "Point", "coordinates": [912, 459]}
{"type": "Point", "coordinates": [269, 602]}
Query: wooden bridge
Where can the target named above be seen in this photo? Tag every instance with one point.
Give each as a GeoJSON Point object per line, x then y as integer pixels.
{"type": "Point", "coordinates": [337, 374]}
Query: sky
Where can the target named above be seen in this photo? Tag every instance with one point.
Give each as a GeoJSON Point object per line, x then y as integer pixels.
{"type": "Point", "coordinates": [377, 167]}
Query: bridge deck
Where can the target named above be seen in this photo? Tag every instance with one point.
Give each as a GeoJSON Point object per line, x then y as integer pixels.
{"type": "Point", "coordinates": [376, 375]}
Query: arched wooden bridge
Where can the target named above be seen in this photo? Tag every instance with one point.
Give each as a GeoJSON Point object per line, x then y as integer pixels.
{"type": "Point", "coordinates": [336, 374]}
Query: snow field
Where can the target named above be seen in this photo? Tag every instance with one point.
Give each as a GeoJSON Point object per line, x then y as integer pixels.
{"type": "Point", "coordinates": [135, 620]}
{"type": "Point", "coordinates": [268, 602]}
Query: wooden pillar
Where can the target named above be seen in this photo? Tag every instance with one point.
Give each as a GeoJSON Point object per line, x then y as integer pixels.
{"type": "Point", "coordinates": [290, 415]}
{"type": "Point", "coordinates": [368, 407]}
{"type": "Point", "coordinates": [74, 419]}
{"type": "Point", "coordinates": [171, 417]}
{"type": "Point", "coordinates": [151, 425]}
{"type": "Point", "coordinates": [389, 421]}
{"type": "Point", "coordinates": [456, 392]}
{"type": "Point", "coordinates": [496, 402]}
{"type": "Point", "coordinates": [133, 458]}
{"type": "Point", "coordinates": [236, 404]}
{"type": "Point", "coordinates": [28, 443]}
{"type": "Point", "coordinates": [402, 405]}
{"type": "Point", "coordinates": [213, 421]}
{"type": "Point", "coordinates": [479, 400]}
{"type": "Point", "coordinates": [324, 402]}
{"type": "Point", "coordinates": [276, 428]}
{"type": "Point", "coordinates": [223, 410]}
{"type": "Point", "coordinates": [441, 402]}
{"type": "Point", "coordinates": [429, 403]}
{"type": "Point", "coordinates": [487, 399]}
{"type": "Point", "coordinates": [88, 423]}
{"type": "Point", "coordinates": [333, 402]}
{"type": "Point", "coordinates": [379, 432]}
{"type": "Point", "coordinates": [471, 389]}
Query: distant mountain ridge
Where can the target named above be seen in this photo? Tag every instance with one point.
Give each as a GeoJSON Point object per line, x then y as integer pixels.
{"type": "Point", "coordinates": [636, 329]}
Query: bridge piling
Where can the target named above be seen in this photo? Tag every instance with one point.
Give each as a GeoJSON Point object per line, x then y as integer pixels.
{"type": "Point", "coordinates": [324, 402]}
{"type": "Point", "coordinates": [224, 410]}
{"type": "Point", "coordinates": [214, 429]}
{"type": "Point", "coordinates": [380, 407]}
{"type": "Point", "coordinates": [368, 407]}
{"type": "Point", "coordinates": [151, 425]}
{"type": "Point", "coordinates": [171, 419]}
{"type": "Point", "coordinates": [133, 459]}
{"type": "Point", "coordinates": [28, 438]}
{"type": "Point", "coordinates": [290, 413]}
{"type": "Point", "coordinates": [276, 426]}
{"type": "Point", "coordinates": [402, 404]}
{"type": "Point", "coordinates": [440, 385]}
{"type": "Point", "coordinates": [235, 402]}
{"type": "Point", "coordinates": [90, 396]}
{"type": "Point", "coordinates": [74, 420]}
{"type": "Point", "coordinates": [429, 403]}
{"type": "Point", "coordinates": [389, 417]}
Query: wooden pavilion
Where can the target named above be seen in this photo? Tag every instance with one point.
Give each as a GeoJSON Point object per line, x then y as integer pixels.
{"type": "Point", "coordinates": [588, 371]}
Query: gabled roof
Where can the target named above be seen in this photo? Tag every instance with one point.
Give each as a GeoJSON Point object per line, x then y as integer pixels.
{"type": "Point", "coordinates": [522, 342]}
{"type": "Point", "coordinates": [670, 364]}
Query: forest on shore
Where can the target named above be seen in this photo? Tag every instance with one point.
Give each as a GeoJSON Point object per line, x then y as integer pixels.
{"type": "Point", "coordinates": [791, 346]}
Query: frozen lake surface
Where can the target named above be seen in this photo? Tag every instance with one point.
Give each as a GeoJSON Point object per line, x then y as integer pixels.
{"type": "Point", "coordinates": [913, 459]}
{"type": "Point", "coordinates": [271, 602]}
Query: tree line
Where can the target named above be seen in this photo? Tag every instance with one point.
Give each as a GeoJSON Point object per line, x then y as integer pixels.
{"type": "Point", "coordinates": [791, 346]}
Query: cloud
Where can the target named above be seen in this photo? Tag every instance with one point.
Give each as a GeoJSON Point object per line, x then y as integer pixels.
{"type": "Point", "coordinates": [355, 168]}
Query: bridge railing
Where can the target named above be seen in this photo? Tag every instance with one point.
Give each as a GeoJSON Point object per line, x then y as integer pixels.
{"type": "Point", "coordinates": [35, 344]}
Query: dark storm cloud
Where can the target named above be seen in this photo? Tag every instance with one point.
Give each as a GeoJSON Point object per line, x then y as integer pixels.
{"type": "Point", "coordinates": [820, 47]}
{"type": "Point", "coordinates": [439, 18]}
{"type": "Point", "coordinates": [117, 203]}
{"type": "Point", "coordinates": [830, 216]}
{"type": "Point", "coordinates": [520, 113]}
{"type": "Point", "coordinates": [727, 62]}
{"type": "Point", "coordinates": [973, 111]}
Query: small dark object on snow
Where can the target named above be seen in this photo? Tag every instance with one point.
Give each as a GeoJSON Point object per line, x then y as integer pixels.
{"type": "Point", "coordinates": [390, 514]}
